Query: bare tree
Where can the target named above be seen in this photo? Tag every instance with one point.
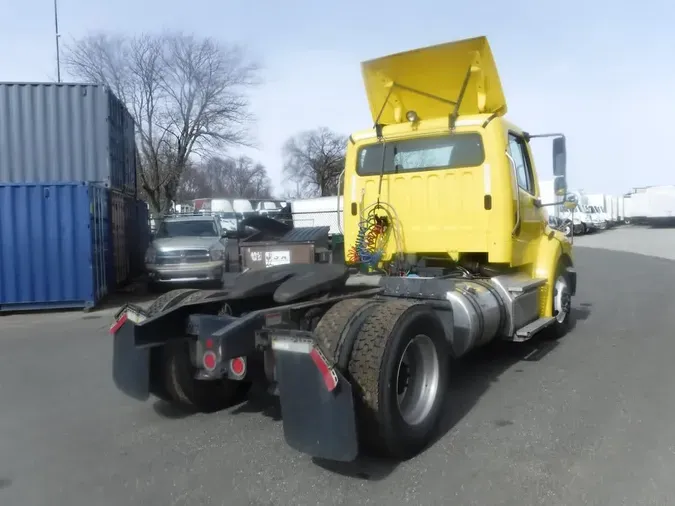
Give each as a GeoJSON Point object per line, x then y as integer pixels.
{"type": "Point", "coordinates": [239, 178]}
{"type": "Point", "coordinates": [194, 184]}
{"type": "Point", "coordinates": [187, 95]}
{"type": "Point", "coordinates": [313, 161]}
{"type": "Point", "coordinates": [226, 178]}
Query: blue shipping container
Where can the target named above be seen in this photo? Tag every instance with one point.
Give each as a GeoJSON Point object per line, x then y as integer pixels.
{"type": "Point", "coordinates": [51, 132]}
{"type": "Point", "coordinates": [54, 245]}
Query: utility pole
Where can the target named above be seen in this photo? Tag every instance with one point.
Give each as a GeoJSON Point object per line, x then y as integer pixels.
{"type": "Point", "coordinates": [56, 38]}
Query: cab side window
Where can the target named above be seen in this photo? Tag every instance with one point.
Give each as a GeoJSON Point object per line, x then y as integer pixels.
{"type": "Point", "coordinates": [518, 152]}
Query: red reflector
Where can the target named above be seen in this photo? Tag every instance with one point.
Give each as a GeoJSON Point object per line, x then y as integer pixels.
{"type": "Point", "coordinates": [329, 377]}
{"type": "Point", "coordinates": [209, 343]}
{"type": "Point", "coordinates": [238, 366]}
{"type": "Point", "coordinates": [118, 324]}
{"type": "Point", "coordinates": [209, 360]}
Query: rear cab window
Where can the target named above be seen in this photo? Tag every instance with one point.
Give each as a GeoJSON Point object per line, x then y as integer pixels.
{"type": "Point", "coordinates": [449, 151]}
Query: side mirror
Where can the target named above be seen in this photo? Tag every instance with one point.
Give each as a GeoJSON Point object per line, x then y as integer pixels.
{"type": "Point", "coordinates": [571, 201]}
{"type": "Point", "coordinates": [560, 185]}
{"type": "Point", "coordinates": [559, 157]}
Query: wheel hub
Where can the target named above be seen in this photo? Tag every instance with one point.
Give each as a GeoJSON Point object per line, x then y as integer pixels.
{"type": "Point", "coordinates": [417, 379]}
{"type": "Point", "coordinates": [561, 299]}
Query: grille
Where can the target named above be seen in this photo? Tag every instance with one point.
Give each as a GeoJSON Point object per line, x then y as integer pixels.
{"type": "Point", "coordinates": [186, 256]}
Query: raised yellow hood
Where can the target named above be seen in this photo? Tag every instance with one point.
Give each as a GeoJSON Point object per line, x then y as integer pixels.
{"type": "Point", "coordinates": [428, 81]}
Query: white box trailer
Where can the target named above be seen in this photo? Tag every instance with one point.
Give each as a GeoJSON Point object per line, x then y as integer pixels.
{"type": "Point", "coordinates": [650, 205]}
{"type": "Point", "coordinates": [636, 207]}
{"type": "Point", "coordinates": [319, 212]}
{"type": "Point", "coordinates": [660, 203]}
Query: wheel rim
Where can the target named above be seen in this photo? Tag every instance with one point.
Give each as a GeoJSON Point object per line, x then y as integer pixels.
{"type": "Point", "coordinates": [561, 299]}
{"type": "Point", "coordinates": [417, 379]}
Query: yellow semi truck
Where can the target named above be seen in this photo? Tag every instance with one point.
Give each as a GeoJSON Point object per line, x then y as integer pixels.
{"type": "Point", "coordinates": [447, 248]}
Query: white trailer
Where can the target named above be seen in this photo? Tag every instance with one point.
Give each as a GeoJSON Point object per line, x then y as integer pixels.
{"type": "Point", "coordinates": [319, 212]}
{"type": "Point", "coordinates": [636, 206]}
{"type": "Point", "coordinates": [650, 205]}
{"type": "Point", "coordinates": [660, 204]}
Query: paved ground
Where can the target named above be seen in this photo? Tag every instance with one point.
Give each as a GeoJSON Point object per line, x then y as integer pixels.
{"type": "Point", "coordinates": [658, 242]}
{"type": "Point", "coordinates": [587, 422]}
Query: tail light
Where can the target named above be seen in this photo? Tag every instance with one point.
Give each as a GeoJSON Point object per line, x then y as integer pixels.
{"type": "Point", "coordinates": [237, 368]}
{"type": "Point", "coordinates": [209, 361]}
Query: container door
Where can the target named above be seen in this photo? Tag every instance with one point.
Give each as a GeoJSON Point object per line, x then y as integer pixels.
{"type": "Point", "coordinates": [99, 224]}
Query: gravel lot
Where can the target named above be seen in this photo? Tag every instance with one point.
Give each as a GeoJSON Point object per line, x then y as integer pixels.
{"type": "Point", "coordinates": [588, 421]}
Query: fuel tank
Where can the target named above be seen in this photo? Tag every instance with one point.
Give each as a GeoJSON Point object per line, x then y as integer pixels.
{"type": "Point", "coordinates": [473, 311]}
{"type": "Point", "coordinates": [478, 314]}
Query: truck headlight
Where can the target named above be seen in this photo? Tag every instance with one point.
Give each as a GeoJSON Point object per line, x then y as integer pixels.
{"type": "Point", "coordinates": [216, 254]}
{"type": "Point", "coordinates": [150, 255]}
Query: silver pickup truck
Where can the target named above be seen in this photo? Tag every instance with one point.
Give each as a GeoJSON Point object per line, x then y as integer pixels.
{"type": "Point", "coordinates": [187, 249]}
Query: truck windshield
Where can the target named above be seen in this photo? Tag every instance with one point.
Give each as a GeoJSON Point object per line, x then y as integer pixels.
{"type": "Point", "coordinates": [428, 153]}
{"type": "Point", "coordinates": [196, 228]}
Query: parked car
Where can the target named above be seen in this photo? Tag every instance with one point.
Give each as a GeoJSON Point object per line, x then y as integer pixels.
{"type": "Point", "coordinates": [187, 249]}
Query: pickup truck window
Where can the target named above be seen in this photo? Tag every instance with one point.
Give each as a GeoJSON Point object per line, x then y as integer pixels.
{"type": "Point", "coordinates": [196, 228]}
{"type": "Point", "coordinates": [427, 153]}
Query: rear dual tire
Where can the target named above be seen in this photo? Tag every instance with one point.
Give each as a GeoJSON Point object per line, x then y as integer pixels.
{"type": "Point", "coordinates": [186, 391]}
{"type": "Point", "coordinates": [172, 374]}
{"type": "Point", "coordinates": [397, 360]}
{"type": "Point", "coordinates": [157, 366]}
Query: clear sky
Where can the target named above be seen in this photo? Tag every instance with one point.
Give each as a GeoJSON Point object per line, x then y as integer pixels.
{"type": "Point", "coordinates": [603, 72]}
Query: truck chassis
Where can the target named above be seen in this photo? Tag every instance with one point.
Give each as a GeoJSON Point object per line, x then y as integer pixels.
{"type": "Point", "coordinates": [358, 361]}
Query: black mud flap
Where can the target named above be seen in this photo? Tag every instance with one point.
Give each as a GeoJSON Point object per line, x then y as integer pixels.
{"type": "Point", "coordinates": [131, 364]}
{"type": "Point", "coordinates": [317, 421]}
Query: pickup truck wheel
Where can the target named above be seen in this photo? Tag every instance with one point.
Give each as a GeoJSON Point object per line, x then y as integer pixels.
{"type": "Point", "coordinates": [202, 395]}
{"type": "Point", "coordinates": [162, 303]}
{"type": "Point", "coordinates": [400, 366]}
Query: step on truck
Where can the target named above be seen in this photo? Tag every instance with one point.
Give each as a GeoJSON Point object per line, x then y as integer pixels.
{"type": "Point", "coordinates": [447, 248]}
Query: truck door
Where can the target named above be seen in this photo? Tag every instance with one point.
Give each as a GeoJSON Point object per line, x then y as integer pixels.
{"type": "Point", "coordinates": [531, 218]}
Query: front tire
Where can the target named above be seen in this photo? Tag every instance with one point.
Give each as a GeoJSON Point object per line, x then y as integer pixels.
{"type": "Point", "coordinates": [400, 366]}
{"type": "Point", "coordinates": [562, 304]}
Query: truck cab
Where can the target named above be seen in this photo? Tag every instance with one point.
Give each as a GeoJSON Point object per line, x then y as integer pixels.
{"type": "Point", "coordinates": [443, 163]}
